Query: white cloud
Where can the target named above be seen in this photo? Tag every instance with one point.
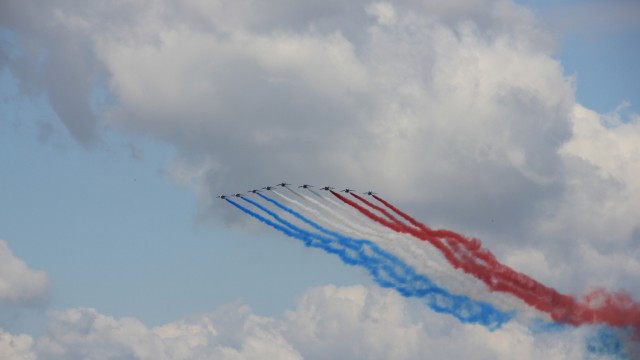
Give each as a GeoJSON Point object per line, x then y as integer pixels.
{"type": "Point", "coordinates": [16, 347]}
{"type": "Point", "coordinates": [384, 12]}
{"type": "Point", "coordinates": [534, 263]}
{"type": "Point", "coordinates": [464, 97]}
{"type": "Point", "coordinates": [328, 322]}
{"type": "Point", "coordinates": [85, 333]}
{"type": "Point", "coordinates": [596, 219]}
{"type": "Point", "coordinates": [471, 103]}
{"type": "Point", "coordinates": [20, 284]}
{"type": "Point", "coordinates": [354, 323]}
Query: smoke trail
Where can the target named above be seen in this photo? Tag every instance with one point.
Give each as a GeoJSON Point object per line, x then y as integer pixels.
{"type": "Point", "coordinates": [610, 343]}
{"type": "Point", "coordinates": [300, 217]}
{"type": "Point", "coordinates": [389, 271]}
{"type": "Point", "coordinates": [393, 261]}
{"type": "Point", "coordinates": [306, 220]}
{"type": "Point", "coordinates": [426, 261]}
{"type": "Point", "coordinates": [470, 244]}
{"type": "Point", "coordinates": [378, 208]}
{"type": "Point", "coordinates": [466, 283]}
{"type": "Point", "coordinates": [363, 230]}
{"type": "Point", "coordinates": [616, 309]}
{"type": "Point", "coordinates": [263, 219]}
{"type": "Point", "coordinates": [457, 260]}
{"type": "Point", "coordinates": [315, 212]}
{"type": "Point", "coordinates": [350, 244]}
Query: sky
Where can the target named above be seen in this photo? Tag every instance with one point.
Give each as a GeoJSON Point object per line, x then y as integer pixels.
{"type": "Point", "coordinates": [515, 122]}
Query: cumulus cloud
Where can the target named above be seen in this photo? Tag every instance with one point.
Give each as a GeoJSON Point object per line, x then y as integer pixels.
{"type": "Point", "coordinates": [608, 148]}
{"type": "Point", "coordinates": [231, 333]}
{"type": "Point", "coordinates": [595, 219]}
{"type": "Point", "coordinates": [20, 284]}
{"type": "Point", "coordinates": [16, 347]}
{"type": "Point", "coordinates": [346, 322]}
{"type": "Point", "coordinates": [408, 94]}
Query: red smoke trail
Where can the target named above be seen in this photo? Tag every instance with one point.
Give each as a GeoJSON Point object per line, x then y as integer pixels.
{"type": "Point", "coordinates": [380, 209]}
{"type": "Point", "coordinates": [495, 281]}
{"type": "Point", "coordinates": [617, 309]}
{"type": "Point", "coordinates": [471, 244]}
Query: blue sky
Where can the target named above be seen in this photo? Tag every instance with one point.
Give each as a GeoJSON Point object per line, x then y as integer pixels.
{"type": "Point", "coordinates": [119, 227]}
{"type": "Point", "coordinates": [597, 47]}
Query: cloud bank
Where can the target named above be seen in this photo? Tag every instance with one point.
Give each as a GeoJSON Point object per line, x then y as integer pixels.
{"type": "Point", "coordinates": [349, 322]}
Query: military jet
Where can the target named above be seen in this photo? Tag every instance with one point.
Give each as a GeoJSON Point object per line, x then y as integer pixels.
{"type": "Point", "coordinates": [327, 188]}
{"type": "Point", "coordinates": [369, 193]}
{"type": "Point", "coordinates": [269, 188]}
{"type": "Point", "coordinates": [283, 184]}
{"type": "Point", "coordinates": [305, 186]}
{"type": "Point", "coordinates": [347, 190]}
{"type": "Point", "coordinates": [222, 196]}
{"type": "Point", "coordinates": [255, 191]}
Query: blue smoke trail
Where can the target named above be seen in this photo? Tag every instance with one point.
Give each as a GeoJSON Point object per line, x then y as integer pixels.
{"type": "Point", "coordinates": [383, 265]}
{"type": "Point", "coordinates": [302, 218]}
{"type": "Point", "coordinates": [263, 219]}
{"type": "Point", "coordinates": [358, 243]}
{"type": "Point", "coordinates": [608, 342]}
{"type": "Point", "coordinates": [355, 245]}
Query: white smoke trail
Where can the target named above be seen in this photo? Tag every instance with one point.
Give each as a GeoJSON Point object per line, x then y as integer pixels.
{"type": "Point", "coordinates": [428, 260]}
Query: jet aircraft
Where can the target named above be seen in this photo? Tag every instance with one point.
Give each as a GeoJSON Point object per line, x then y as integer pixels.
{"type": "Point", "coordinates": [327, 188]}
{"type": "Point", "coordinates": [222, 196]}
{"type": "Point", "coordinates": [255, 191]}
{"type": "Point", "coordinates": [283, 184]}
{"type": "Point", "coordinates": [305, 186]}
{"type": "Point", "coordinates": [269, 188]}
{"type": "Point", "coordinates": [347, 190]}
{"type": "Point", "coordinates": [370, 193]}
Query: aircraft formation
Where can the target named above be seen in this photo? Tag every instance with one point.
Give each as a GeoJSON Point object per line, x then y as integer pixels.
{"type": "Point", "coordinates": [452, 273]}
{"type": "Point", "coordinates": [286, 185]}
